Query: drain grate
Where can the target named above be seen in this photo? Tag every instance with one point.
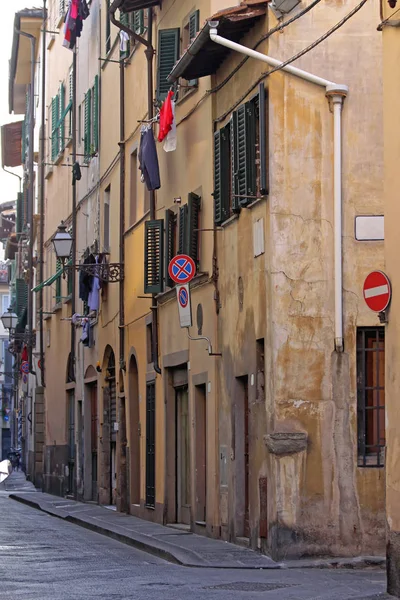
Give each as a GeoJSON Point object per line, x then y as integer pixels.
{"type": "Point", "coordinates": [248, 586]}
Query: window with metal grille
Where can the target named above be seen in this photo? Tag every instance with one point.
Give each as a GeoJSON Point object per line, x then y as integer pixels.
{"type": "Point", "coordinates": [371, 396]}
{"type": "Point", "coordinates": [150, 444]}
{"type": "Point", "coordinates": [240, 159]}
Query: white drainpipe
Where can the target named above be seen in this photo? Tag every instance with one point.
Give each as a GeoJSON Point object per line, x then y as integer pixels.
{"type": "Point", "coordinates": [335, 93]}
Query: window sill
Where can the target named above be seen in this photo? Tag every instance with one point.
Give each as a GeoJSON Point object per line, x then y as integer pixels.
{"type": "Point", "coordinates": [256, 202]}
{"type": "Point", "coordinates": [137, 223]}
{"type": "Point", "coordinates": [68, 299]}
{"type": "Point", "coordinates": [188, 94]}
{"type": "Point", "coordinates": [57, 307]}
{"type": "Point", "coordinates": [48, 173]}
{"type": "Point", "coordinates": [231, 219]}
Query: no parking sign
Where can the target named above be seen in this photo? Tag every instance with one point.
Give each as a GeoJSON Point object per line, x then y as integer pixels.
{"type": "Point", "coordinates": [182, 269]}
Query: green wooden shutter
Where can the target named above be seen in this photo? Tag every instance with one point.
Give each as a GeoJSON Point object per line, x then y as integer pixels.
{"type": "Point", "coordinates": [193, 227]}
{"type": "Point", "coordinates": [138, 21]}
{"type": "Point", "coordinates": [125, 20]}
{"type": "Point", "coordinates": [20, 212]}
{"type": "Point", "coordinates": [170, 246]}
{"type": "Point", "coordinates": [154, 256]}
{"type": "Point", "coordinates": [58, 282]}
{"type": "Point", "coordinates": [222, 181]}
{"type": "Point", "coordinates": [108, 27]}
{"type": "Point", "coordinates": [235, 188]}
{"type": "Point", "coordinates": [23, 141]}
{"type": "Point", "coordinates": [71, 96]}
{"type": "Point", "coordinates": [87, 125]}
{"type": "Point", "coordinates": [244, 155]}
{"type": "Point", "coordinates": [262, 139]}
{"type": "Point", "coordinates": [168, 54]}
{"type": "Point", "coordinates": [96, 114]}
{"type": "Point", "coordinates": [61, 109]}
{"type": "Point", "coordinates": [183, 230]}
{"type": "Point", "coordinates": [194, 25]}
{"type": "Point", "coordinates": [54, 127]}
{"type": "Point", "coordinates": [21, 296]}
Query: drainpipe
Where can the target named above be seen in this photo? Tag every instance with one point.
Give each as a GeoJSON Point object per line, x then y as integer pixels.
{"type": "Point", "coordinates": [335, 93]}
{"type": "Point", "coordinates": [122, 213]}
{"type": "Point", "coordinates": [41, 198]}
{"type": "Point", "coordinates": [15, 175]}
{"type": "Point", "coordinates": [31, 196]}
{"type": "Point", "coordinates": [74, 228]}
{"type": "Point", "coordinates": [149, 52]}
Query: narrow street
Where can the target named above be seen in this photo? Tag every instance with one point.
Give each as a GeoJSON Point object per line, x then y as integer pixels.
{"type": "Point", "coordinates": [45, 558]}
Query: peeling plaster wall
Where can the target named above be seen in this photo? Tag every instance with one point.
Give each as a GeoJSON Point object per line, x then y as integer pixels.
{"type": "Point", "coordinates": [317, 499]}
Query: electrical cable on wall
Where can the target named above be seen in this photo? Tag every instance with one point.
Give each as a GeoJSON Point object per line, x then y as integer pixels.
{"type": "Point", "coordinates": [292, 59]}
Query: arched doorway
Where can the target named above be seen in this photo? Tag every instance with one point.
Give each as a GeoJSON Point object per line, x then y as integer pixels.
{"type": "Point", "coordinates": [134, 419]}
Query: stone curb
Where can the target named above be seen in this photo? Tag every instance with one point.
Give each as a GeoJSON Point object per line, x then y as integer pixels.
{"type": "Point", "coordinates": [188, 558]}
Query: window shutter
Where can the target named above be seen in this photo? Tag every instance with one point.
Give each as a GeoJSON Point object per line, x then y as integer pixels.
{"type": "Point", "coordinates": [23, 141]}
{"type": "Point", "coordinates": [194, 26]}
{"type": "Point", "coordinates": [168, 54]}
{"type": "Point", "coordinates": [61, 109]}
{"type": "Point", "coordinates": [21, 296]}
{"type": "Point", "coordinates": [153, 256]}
{"type": "Point", "coordinates": [170, 229]}
{"type": "Point", "coordinates": [262, 139]}
{"type": "Point", "coordinates": [87, 125]}
{"type": "Point", "coordinates": [58, 281]}
{"type": "Point", "coordinates": [221, 174]}
{"type": "Point", "coordinates": [235, 187]}
{"type": "Point", "coordinates": [183, 230]}
{"type": "Point", "coordinates": [244, 144]}
{"type": "Point", "coordinates": [61, 8]}
{"type": "Point", "coordinates": [138, 21]}
{"type": "Point", "coordinates": [71, 95]}
{"type": "Point", "coordinates": [96, 113]}
{"type": "Point", "coordinates": [54, 128]}
{"type": "Point", "coordinates": [20, 212]}
{"type": "Point", "coordinates": [193, 227]}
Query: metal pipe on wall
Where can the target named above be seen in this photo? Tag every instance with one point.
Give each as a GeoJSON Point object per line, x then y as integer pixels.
{"type": "Point", "coordinates": [122, 214]}
{"type": "Point", "coordinates": [41, 197]}
{"type": "Point", "coordinates": [74, 231]}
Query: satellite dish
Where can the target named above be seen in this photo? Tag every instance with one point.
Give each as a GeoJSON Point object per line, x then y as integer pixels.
{"type": "Point", "coordinates": [5, 470]}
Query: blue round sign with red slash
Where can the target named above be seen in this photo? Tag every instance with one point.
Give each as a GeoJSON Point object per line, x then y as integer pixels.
{"type": "Point", "coordinates": [183, 297]}
{"type": "Point", "coordinates": [25, 367]}
{"type": "Point", "coordinates": [182, 269]}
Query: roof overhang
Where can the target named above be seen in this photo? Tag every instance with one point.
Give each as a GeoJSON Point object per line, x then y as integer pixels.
{"type": "Point", "coordinates": [204, 57]}
{"type": "Point", "coordinates": [130, 5]}
{"type": "Point", "coordinates": [29, 21]}
{"type": "Point", "coordinates": [11, 144]}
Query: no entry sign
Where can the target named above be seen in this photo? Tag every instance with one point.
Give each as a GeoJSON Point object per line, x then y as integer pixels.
{"type": "Point", "coordinates": [182, 269]}
{"type": "Point", "coordinates": [377, 291]}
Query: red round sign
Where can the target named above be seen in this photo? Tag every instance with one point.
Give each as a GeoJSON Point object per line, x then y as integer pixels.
{"type": "Point", "coordinates": [182, 269]}
{"type": "Point", "coordinates": [377, 291]}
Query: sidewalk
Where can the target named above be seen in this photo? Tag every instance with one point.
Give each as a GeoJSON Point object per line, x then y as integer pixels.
{"type": "Point", "coordinates": [181, 547]}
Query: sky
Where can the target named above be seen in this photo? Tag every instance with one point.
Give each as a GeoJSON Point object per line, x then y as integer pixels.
{"type": "Point", "coordinates": [9, 185]}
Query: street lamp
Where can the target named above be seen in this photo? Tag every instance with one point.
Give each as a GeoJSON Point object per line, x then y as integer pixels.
{"type": "Point", "coordinates": [62, 242]}
{"type": "Point", "coordinates": [9, 319]}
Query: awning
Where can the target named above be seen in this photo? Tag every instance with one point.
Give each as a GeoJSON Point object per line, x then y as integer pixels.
{"type": "Point", "coordinates": [130, 5]}
{"type": "Point", "coordinates": [11, 144]}
{"type": "Point", "coordinates": [49, 281]}
{"type": "Point", "coordinates": [203, 56]}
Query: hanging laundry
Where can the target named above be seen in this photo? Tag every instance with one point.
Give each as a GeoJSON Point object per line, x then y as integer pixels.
{"type": "Point", "coordinates": [94, 295]}
{"type": "Point", "coordinates": [166, 117]}
{"type": "Point", "coordinates": [78, 11]}
{"type": "Point", "coordinates": [24, 354]}
{"type": "Point", "coordinates": [85, 332]}
{"type": "Point", "coordinates": [123, 41]}
{"type": "Point", "coordinates": [148, 160]}
{"type": "Point", "coordinates": [171, 139]}
{"type": "Point", "coordinates": [85, 279]}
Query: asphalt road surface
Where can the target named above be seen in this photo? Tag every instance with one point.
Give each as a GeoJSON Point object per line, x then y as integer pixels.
{"type": "Point", "coordinates": [44, 558]}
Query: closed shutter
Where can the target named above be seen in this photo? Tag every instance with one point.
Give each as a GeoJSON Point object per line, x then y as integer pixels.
{"type": "Point", "coordinates": [54, 127]}
{"type": "Point", "coordinates": [154, 256]}
{"type": "Point", "coordinates": [235, 187]}
{"type": "Point", "coordinates": [113, 407]}
{"type": "Point", "coordinates": [23, 141]}
{"type": "Point", "coordinates": [21, 296]}
{"type": "Point", "coordinates": [96, 114]}
{"type": "Point", "coordinates": [138, 21]}
{"type": "Point", "coordinates": [58, 281]}
{"type": "Point", "coordinates": [71, 97]}
{"type": "Point", "coordinates": [61, 7]}
{"type": "Point", "coordinates": [150, 444]}
{"type": "Point", "coordinates": [87, 124]}
{"type": "Point", "coordinates": [170, 246]}
{"type": "Point", "coordinates": [61, 109]}
{"type": "Point", "coordinates": [194, 23]}
{"type": "Point", "coordinates": [20, 212]}
{"type": "Point", "coordinates": [221, 174]}
{"type": "Point", "coordinates": [244, 155]}
{"type": "Point", "coordinates": [262, 140]}
{"type": "Point", "coordinates": [193, 227]}
{"type": "Point", "coordinates": [183, 230]}
{"type": "Point", "coordinates": [125, 20]}
{"type": "Point", "coordinates": [168, 54]}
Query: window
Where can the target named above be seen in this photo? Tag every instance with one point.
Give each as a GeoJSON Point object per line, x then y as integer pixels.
{"type": "Point", "coordinates": [80, 139]}
{"type": "Point", "coordinates": [240, 161]}
{"type": "Point", "coordinates": [71, 93]}
{"type": "Point", "coordinates": [108, 27]}
{"type": "Point", "coordinates": [181, 235]}
{"type": "Point", "coordinates": [135, 20]}
{"type": "Point", "coordinates": [371, 396]}
{"type": "Point", "coordinates": [91, 118]}
{"type": "Point", "coordinates": [5, 302]}
{"type": "Point", "coordinates": [150, 443]}
{"type": "Point", "coordinates": [168, 54]}
{"type": "Point", "coordinates": [58, 282]}
{"type": "Point", "coordinates": [61, 8]}
{"type": "Point", "coordinates": [106, 228]}
{"type": "Point", "coordinates": [58, 114]}
{"type": "Point", "coordinates": [190, 30]}
{"type": "Point", "coordinates": [133, 188]}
